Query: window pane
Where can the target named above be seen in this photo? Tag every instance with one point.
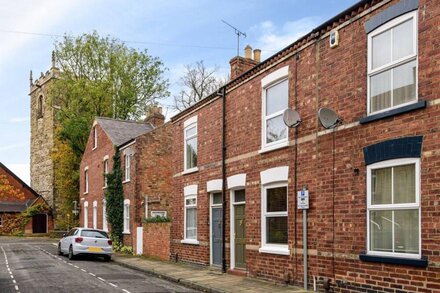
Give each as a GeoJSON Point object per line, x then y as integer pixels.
{"type": "Point", "coordinates": [276, 97]}
{"type": "Point", "coordinates": [406, 231]}
{"type": "Point", "coordinates": [277, 199]}
{"type": "Point", "coordinates": [190, 201]}
{"type": "Point", "coordinates": [381, 231]}
{"type": "Point", "coordinates": [381, 49]}
{"type": "Point", "coordinates": [404, 83]}
{"type": "Point", "coordinates": [403, 42]}
{"type": "Point", "coordinates": [381, 186]}
{"type": "Point", "coordinates": [276, 230]}
{"type": "Point", "coordinates": [240, 195]}
{"type": "Point", "coordinates": [404, 184]}
{"type": "Point", "coordinates": [380, 91]}
{"type": "Point", "coordinates": [217, 198]}
{"type": "Point", "coordinates": [191, 153]}
{"type": "Point", "coordinates": [191, 223]}
{"type": "Point", "coordinates": [275, 129]}
{"type": "Point", "coordinates": [191, 131]}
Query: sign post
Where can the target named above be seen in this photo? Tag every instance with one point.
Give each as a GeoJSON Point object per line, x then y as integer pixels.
{"type": "Point", "coordinates": [303, 204]}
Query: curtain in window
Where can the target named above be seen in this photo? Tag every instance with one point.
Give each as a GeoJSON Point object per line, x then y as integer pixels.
{"type": "Point", "coordinates": [191, 223]}
{"type": "Point", "coordinates": [381, 186]}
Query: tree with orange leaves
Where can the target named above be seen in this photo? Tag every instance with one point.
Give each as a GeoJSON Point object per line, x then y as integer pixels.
{"type": "Point", "coordinates": [8, 191]}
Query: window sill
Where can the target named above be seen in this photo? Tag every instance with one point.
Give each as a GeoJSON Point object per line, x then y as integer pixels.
{"type": "Point", "coordinates": [190, 241]}
{"type": "Point", "coordinates": [415, 262]}
{"type": "Point", "coordinates": [189, 171]}
{"type": "Point", "coordinates": [393, 112]}
{"type": "Point", "coordinates": [125, 181]}
{"type": "Point", "coordinates": [274, 147]}
{"type": "Point", "coordinates": [94, 148]}
{"type": "Point", "coordinates": [104, 187]}
{"type": "Point", "coordinates": [126, 232]}
{"type": "Point", "coordinates": [275, 250]}
{"type": "Point", "coordinates": [85, 193]}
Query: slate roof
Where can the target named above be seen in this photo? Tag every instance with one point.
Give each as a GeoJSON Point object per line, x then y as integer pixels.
{"type": "Point", "coordinates": [122, 131]}
{"type": "Point", "coordinates": [14, 207]}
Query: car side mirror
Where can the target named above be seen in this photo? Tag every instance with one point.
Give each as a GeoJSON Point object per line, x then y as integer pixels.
{"type": "Point", "coordinates": [64, 235]}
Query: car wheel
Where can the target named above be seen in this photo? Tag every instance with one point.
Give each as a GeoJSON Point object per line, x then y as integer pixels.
{"type": "Point", "coordinates": [71, 256]}
{"type": "Point", "coordinates": [59, 249]}
{"type": "Point", "coordinates": [107, 257]}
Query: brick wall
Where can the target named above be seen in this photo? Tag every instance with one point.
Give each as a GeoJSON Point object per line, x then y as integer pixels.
{"type": "Point", "coordinates": [94, 160]}
{"type": "Point", "coordinates": [337, 79]}
{"type": "Point", "coordinates": [156, 240]}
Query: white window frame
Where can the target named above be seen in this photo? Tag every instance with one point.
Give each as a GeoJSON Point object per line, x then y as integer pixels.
{"type": "Point", "coordinates": [104, 215]}
{"type": "Point", "coordinates": [271, 247]}
{"type": "Point", "coordinates": [95, 138]}
{"type": "Point", "coordinates": [270, 80]}
{"type": "Point", "coordinates": [126, 215]}
{"type": "Point", "coordinates": [127, 166]}
{"type": "Point", "coordinates": [190, 192]}
{"type": "Point", "coordinates": [158, 213]}
{"type": "Point", "coordinates": [188, 124]}
{"type": "Point", "coordinates": [393, 64]}
{"type": "Point", "coordinates": [412, 206]}
{"type": "Point", "coordinates": [95, 214]}
{"type": "Point", "coordinates": [85, 214]}
{"type": "Point", "coordinates": [105, 167]}
{"type": "Point", "coordinates": [86, 180]}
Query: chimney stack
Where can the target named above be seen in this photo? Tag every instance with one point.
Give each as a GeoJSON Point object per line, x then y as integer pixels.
{"type": "Point", "coordinates": [240, 65]}
{"type": "Point", "coordinates": [155, 116]}
{"type": "Point", "coordinates": [257, 55]}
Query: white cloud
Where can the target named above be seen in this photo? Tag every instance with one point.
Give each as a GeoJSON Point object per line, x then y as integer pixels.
{"type": "Point", "coordinates": [22, 171]}
{"type": "Point", "coordinates": [272, 38]}
{"type": "Point", "coordinates": [19, 119]}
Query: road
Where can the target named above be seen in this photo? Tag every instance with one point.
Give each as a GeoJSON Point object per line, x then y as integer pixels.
{"type": "Point", "coordinates": [32, 265]}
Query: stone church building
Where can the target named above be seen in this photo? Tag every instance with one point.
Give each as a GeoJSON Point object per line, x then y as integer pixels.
{"type": "Point", "coordinates": [42, 133]}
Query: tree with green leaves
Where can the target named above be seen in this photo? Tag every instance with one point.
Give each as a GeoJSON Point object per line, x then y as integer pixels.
{"type": "Point", "coordinates": [114, 197]}
{"type": "Point", "coordinates": [97, 76]}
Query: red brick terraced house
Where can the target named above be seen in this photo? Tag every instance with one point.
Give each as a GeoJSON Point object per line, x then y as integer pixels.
{"type": "Point", "coordinates": [373, 177]}
{"type": "Point", "coordinates": [139, 147]}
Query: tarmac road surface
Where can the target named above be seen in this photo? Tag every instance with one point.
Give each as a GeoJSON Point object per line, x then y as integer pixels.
{"type": "Point", "coordinates": [33, 265]}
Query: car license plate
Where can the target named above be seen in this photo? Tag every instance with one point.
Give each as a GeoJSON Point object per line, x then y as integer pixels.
{"type": "Point", "coordinates": [94, 249]}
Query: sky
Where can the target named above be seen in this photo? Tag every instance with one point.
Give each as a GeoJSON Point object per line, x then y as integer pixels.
{"type": "Point", "coordinates": [179, 32]}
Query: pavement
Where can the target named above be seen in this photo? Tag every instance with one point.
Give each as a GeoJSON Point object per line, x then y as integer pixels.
{"type": "Point", "coordinates": [203, 279]}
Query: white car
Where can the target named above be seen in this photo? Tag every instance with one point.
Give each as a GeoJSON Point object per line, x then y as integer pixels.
{"type": "Point", "coordinates": [85, 241]}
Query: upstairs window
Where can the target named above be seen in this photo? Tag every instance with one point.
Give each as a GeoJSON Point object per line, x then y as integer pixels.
{"type": "Point", "coordinates": [86, 180]}
{"type": "Point", "coordinates": [127, 167]}
{"type": "Point", "coordinates": [105, 172]}
{"type": "Point", "coordinates": [95, 137]}
{"type": "Point", "coordinates": [275, 94]}
{"type": "Point", "coordinates": [392, 64]}
{"type": "Point", "coordinates": [190, 141]}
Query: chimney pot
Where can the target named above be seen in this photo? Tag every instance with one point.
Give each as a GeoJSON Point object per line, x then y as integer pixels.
{"type": "Point", "coordinates": [155, 116]}
{"type": "Point", "coordinates": [248, 52]}
{"type": "Point", "coordinates": [257, 55]}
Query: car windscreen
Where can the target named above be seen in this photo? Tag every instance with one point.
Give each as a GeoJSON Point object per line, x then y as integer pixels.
{"type": "Point", "coordinates": [94, 234]}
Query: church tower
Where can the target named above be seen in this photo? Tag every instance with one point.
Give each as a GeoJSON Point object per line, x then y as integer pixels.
{"type": "Point", "coordinates": [42, 134]}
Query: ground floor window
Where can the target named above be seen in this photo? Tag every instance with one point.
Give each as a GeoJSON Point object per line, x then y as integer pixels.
{"type": "Point", "coordinates": [191, 217]}
{"type": "Point", "coordinates": [126, 216]}
{"type": "Point", "coordinates": [86, 214]}
{"type": "Point", "coordinates": [393, 215]}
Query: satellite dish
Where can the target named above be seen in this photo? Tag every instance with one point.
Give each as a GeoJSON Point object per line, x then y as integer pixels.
{"type": "Point", "coordinates": [291, 118]}
{"type": "Point", "coordinates": [328, 118]}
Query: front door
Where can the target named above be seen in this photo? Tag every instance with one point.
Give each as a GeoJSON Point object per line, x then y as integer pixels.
{"type": "Point", "coordinates": [216, 229]}
{"type": "Point", "coordinates": [240, 236]}
{"type": "Point", "coordinates": [39, 223]}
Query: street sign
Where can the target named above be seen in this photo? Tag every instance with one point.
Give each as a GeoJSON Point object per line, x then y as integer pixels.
{"type": "Point", "coordinates": [303, 199]}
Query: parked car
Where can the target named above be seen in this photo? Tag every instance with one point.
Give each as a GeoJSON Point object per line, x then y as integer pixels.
{"type": "Point", "coordinates": [85, 241]}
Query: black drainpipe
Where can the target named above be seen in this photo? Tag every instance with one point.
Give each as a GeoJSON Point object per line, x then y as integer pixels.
{"type": "Point", "coordinates": [222, 93]}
